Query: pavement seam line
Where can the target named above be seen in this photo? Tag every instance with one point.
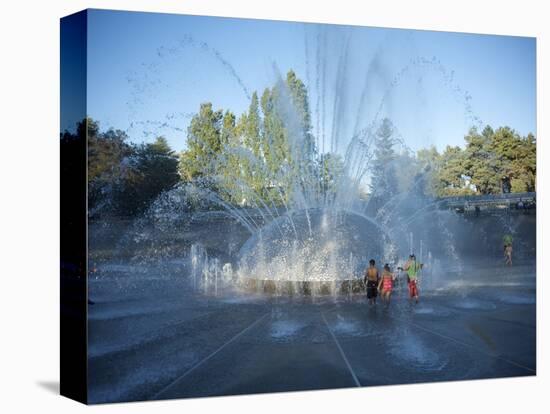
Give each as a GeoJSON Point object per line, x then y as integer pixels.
{"type": "Point", "coordinates": [357, 383]}
{"type": "Point", "coordinates": [204, 360]}
{"type": "Point", "coordinates": [147, 337]}
{"type": "Point", "coordinates": [473, 347]}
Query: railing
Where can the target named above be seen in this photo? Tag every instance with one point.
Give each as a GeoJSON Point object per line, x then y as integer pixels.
{"type": "Point", "coordinates": [490, 201]}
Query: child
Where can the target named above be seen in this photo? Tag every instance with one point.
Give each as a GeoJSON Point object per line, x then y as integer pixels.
{"type": "Point", "coordinates": [412, 268]}
{"type": "Point", "coordinates": [386, 282]}
{"type": "Point", "coordinates": [371, 280]}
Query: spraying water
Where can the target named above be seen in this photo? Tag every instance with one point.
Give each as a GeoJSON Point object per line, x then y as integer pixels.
{"type": "Point", "coordinates": [317, 226]}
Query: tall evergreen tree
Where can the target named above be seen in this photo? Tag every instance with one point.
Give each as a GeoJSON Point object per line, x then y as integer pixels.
{"type": "Point", "coordinates": [204, 144]}
{"type": "Point", "coordinates": [252, 126]}
{"type": "Point", "coordinates": [228, 133]}
{"type": "Point", "coordinates": [298, 93]}
{"type": "Point", "coordinates": [330, 176]}
{"type": "Point", "coordinates": [383, 179]}
{"type": "Point", "coordinates": [276, 148]}
{"type": "Point", "coordinates": [305, 170]}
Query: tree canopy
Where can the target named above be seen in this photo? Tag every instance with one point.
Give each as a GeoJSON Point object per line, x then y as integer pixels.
{"type": "Point", "coordinates": [488, 159]}
{"type": "Point", "coordinates": [256, 158]}
{"type": "Point", "coordinates": [260, 156]}
{"type": "Point", "coordinates": [123, 177]}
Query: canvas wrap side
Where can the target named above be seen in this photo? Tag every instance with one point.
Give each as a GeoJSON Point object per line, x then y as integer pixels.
{"type": "Point", "coordinates": [73, 202]}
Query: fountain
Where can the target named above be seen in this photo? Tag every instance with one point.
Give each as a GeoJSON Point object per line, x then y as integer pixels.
{"type": "Point", "coordinates": [315, 248]}
{"type": "Point", "coordinates": [316, 231]}
{"type": "Point", "coordinates": [269, 244]}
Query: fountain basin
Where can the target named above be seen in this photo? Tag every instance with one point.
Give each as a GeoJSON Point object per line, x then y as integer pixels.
{"type": "Point", "coordinates": [303, 288]}
{"type": "Point", "coordinates": [315, 247]}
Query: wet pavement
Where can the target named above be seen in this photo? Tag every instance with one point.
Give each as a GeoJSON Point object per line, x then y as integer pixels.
{"type": "Point", "coordinates": [165, 341]}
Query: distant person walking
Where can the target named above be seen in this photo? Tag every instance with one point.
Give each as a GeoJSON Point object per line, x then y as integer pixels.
{"type": "Point", "coordinates": [371, 280]}
{"type": "Point", "coordinates": [412, 267]}
{"type": "Point", "coordinates": [508, 254]}
{"type": "Point", "coordinates": [507, 241]}
{"type": "Point", "coordinates": [386, 283]}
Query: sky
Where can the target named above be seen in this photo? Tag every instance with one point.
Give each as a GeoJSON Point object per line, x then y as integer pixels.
{"type": "Point", "coordinates": [148, 73]}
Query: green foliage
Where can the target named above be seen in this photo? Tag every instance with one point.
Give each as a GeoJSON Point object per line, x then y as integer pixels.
{"type": "Point", "coordinates": [481, 163]}
{"type": "Point", "coordinates": [123, 178]}
{"type": "Point", "coordinates": [277, 152]}
{"type": "Point", "coordinates": [105, 151]}
{"type": "Point", "coordinates": [480, 168]}
{"type": "Point", "coordinates": [451, 174]}
{"type": "Point", "coordinates": [251, 126]}
{"type": "Point", "coordinates": [518, 158]}
{"type": "Point", "coordinates": [204, 143]}
{"type": "Point", "coordinates": [331, 173]}
{"type": "Point", "coordinates": [299, 96]}
{"type": "Point", "coordinates": [431, 163]}
{"type": "Point", "coordinates": [384, 182]}
{"type": "Point", "coordinates": [155, 169]}
{"type": "Point", "coordinates": [298, 93]}
{"type": "Point", "coordinates": [254, 159]}
{"type": "Point", "coordinates": [107, 168]}
{"type": "Point", "coordinates": [257, 157]}
{"type": "Point", "coordinates": [228, 133]}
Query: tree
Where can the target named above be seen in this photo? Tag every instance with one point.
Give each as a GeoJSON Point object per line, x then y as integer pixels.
{"type": "Point", "coordinates": [517, 156]}
{"type": "Point", "coordinates": [525, 165]}
{"type": "Point", "coordinates": [407, 174]}
{"type": "Point", "coordinates": [204, 144]}
{"type": "Point", "coordinates": [481, 163]}
{"type": "Point", "coordinates": [430, 162]}
{"type": "Point", "coordinates": [156, 170]}
{"type": "Point", "coordinates": [298, 93]}
{"type": "Point", "coordinates": [251, 127]}
{"type": "Point", "coordinates": [105, 151]}
{"type": "Point", "coordinates": [228, 133]}
{"type": "Point", "coordinates": [231, 164]}
{"type": "Point", "coordinates": [276, 147]}
{"type": "Point", "coordinates": [124, 178]}
{"type": "Point", "coordinates": [500, 155]}
{"type": "Point", "coordinates": [488, 160]}
{"type": "Point", "coordinates": [260, 163]}
{"type": "Point", "coordinates": [299, 97]}
{"type": "Point", "coordinates": [109, 166]}
{"type": "Point", "coordinates": [451, 175]}
{"type": "Point", "coordinates": [331, 173]}
{"type": "Point", "coordinates": [305, 167]}
{"type": "Point", "coordinates": [383, 180]}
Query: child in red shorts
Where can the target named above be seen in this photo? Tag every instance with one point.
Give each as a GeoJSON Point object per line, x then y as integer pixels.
{"type": "Point", "coordinates": [386, 283]}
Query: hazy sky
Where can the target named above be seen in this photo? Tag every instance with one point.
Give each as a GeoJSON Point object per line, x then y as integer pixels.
{"type": "Point", "coordinates": [148, 73]}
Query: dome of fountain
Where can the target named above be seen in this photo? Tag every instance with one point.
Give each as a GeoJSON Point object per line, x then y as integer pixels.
{"type": "Point", "coordinates": [313, 245]}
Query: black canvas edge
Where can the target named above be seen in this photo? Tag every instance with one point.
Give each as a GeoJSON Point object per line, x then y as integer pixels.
{"type": "Point", "coordinates": [73, 211]}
